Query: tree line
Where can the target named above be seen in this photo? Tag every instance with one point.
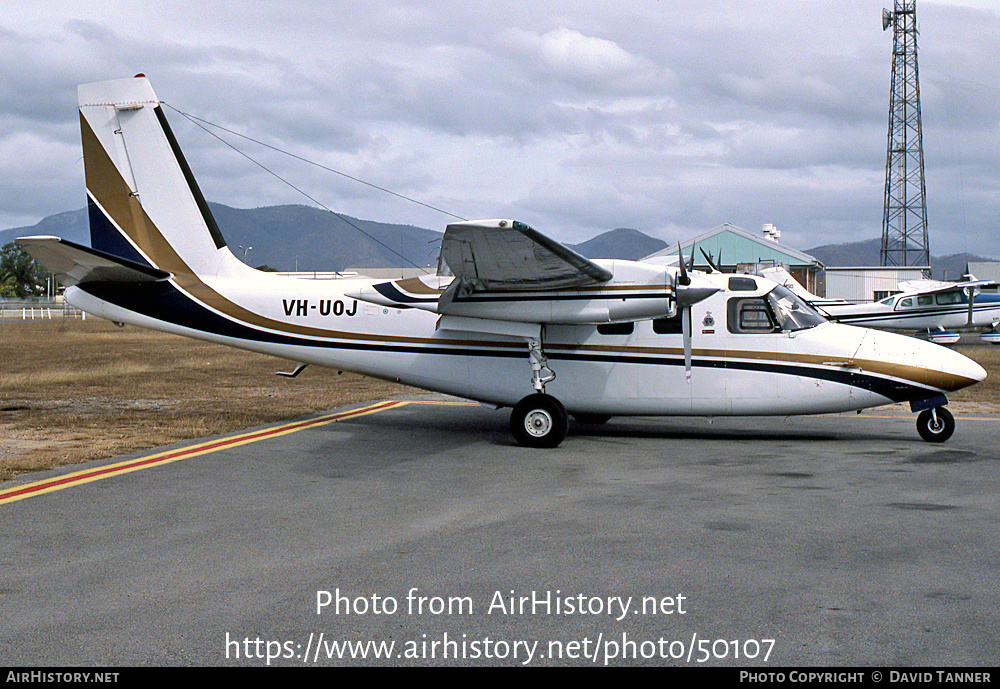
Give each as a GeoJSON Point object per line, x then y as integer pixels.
{"type": "Point", "coordinates": [21, 276]}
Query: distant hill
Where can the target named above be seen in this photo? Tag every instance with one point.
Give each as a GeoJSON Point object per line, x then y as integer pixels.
{"type": "Point", "coordinates": [846, 255]}
{"type": "Point", "coordinates": [71, 225]}
{"type": "Point", "coordinates": [866, 253]}
{"type": "Point", "coordinates": [304, 238]}
{"type": "Point", "coordinates": [296, 237]}
{"type": "Point", "coordinates": [286, 237]}
{"type": "Point", "coordinates": [621, 243]}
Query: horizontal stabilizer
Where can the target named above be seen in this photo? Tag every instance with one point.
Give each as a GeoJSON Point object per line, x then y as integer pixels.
{"type": "Point", "coordinates": [75, 264]}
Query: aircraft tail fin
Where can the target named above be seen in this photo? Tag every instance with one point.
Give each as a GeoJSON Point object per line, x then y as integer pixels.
{"type": "Point", "coordinates": [144, 204]}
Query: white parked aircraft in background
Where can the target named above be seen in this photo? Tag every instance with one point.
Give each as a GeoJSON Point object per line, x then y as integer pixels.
{"type": "Point", "coordinates": [624, 337]}
{"type": "Point", "coordinates": [931, 308]}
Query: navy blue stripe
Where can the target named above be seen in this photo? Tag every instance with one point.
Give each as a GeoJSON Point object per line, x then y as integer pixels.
{"type": "Point", "coordinates": [389, 291]}
{"type": "Point", "coordinates": [104, 236]}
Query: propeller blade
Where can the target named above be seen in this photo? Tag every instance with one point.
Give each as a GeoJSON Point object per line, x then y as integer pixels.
{"type": "Point", "coordinates": [714, 268]}
{"type": "Point", "coordinates": [686, 330]}
{"type": "Point", "coordinates": [683, 278]}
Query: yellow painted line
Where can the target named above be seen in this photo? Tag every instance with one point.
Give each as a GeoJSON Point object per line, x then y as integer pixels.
{"type": "Point", "coordinates": [443, 403]}
{"type": "Point", "coordinates": [96, 474]}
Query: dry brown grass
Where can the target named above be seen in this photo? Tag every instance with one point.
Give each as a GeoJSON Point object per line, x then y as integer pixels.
{"type": "Point", "coordinates": [77, 390]}
{"type": "Point", "coordinates": [983, 398]}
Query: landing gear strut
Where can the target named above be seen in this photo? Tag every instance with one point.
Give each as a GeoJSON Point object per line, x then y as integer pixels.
{"type": "Point", "coordinates": [539, 420]}
{"type": "Point", "coordinates": [935, 425]}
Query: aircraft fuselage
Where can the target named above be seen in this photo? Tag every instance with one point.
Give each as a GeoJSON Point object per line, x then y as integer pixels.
{"type": "Point", "coordinates": [622, 368]}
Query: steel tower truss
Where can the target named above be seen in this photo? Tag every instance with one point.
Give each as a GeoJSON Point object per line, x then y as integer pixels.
{"type": "Point", "coordinates": [904, 219]}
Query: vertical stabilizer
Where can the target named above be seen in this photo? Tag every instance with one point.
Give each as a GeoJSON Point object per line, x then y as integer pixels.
{"type": "Point", "coordinates": [144, 203]}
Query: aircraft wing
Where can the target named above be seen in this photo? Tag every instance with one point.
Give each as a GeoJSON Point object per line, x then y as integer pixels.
{"type": "Point", "coordinates": [932, 286]}
{"type": "Point", "coordinates": [505, 255]}
{"type": "Point", "coordinates": [74, 263]}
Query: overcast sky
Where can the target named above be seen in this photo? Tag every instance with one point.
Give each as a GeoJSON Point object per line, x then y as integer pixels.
{"type": "Point", "coordinates": [669, 117]}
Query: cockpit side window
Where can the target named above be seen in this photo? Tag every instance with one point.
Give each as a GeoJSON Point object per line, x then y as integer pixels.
{"type": "Point", "coordinates": [750, 315]}
{"type": "Point", "coordinates": [779, 310]}
{"type": "Point", "coordinates": [905, 303]}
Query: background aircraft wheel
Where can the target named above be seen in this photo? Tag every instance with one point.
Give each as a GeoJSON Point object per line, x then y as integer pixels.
{"type": "Point", "coordinates": [939, 431]}
{"type": "Point", "coordinates": [539, 421]}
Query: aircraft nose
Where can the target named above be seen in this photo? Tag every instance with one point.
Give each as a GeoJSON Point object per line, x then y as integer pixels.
{"type": "Point", "coordinates": [971, 369]}
{"type": "Point", "coordinates": [950, 370]}
{"type": "Point", "coordinates": [921, 362]}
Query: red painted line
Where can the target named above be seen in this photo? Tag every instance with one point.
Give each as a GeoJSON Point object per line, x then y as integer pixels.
{"type": "Point", "coordinates": [88, 475]}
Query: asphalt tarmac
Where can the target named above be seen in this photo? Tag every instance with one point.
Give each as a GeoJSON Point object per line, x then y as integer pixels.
{"type": "Point", "coordinates": [420, 534]}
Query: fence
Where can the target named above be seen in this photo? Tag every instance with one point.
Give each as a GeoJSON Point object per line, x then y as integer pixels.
{"type": "Point", "coordinates": [39, 310]}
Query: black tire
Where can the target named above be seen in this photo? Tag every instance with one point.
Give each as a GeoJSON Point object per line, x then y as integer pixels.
{"type": "Point", "coordinates": [935, 432]}
{"type": "Point", "coordinates": [539, 421]}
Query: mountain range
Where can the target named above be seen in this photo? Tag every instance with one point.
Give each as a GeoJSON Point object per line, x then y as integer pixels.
{"type": "Point", "coordinates": [866, 253]}
{"type": "Point", "coordinates": [303, 238]}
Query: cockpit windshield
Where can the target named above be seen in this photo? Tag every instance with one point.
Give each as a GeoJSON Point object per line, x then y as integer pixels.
{"type": "Point", "coordinates": [792, 312]}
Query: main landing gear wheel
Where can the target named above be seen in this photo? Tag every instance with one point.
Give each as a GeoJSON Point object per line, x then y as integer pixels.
{"type": "Point", "coordinates": [539, 420]}
{"type": "Point", "coordinates": [935, 425]}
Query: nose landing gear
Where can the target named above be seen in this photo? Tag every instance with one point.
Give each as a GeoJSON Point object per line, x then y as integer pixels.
{"type": "Point", "coordinates": [935, 425]}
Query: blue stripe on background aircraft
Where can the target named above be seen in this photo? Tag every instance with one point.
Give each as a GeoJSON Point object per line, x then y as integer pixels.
{"type": "Point", "coordinates": [625, 337]}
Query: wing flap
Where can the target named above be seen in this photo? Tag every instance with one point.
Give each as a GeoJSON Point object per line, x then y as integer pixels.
{"type": "Point", "coordinates": [504, 255]}
{"type": "Point", "coordinates": [75, 264]}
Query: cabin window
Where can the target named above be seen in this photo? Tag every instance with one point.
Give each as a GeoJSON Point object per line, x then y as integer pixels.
{"type": "Point", "coordinates": [668, 326]}
{"type": "Point", "coordinates": [925, 300]}
{"type": "Point", "coordinates": [949, 298]}
{"type": "Point", "coordinates": [616, 328]}
{"type": "Point", "coordinates": [742, 285]}
{"type": "Point", "coordinates": [750, 316]}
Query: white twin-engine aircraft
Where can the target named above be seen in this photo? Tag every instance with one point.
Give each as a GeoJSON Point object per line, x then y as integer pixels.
{"type": "Point", "coordinates": [522, 322]}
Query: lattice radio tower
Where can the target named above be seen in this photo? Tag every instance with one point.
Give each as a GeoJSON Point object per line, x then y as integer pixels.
{"type": "Point", "coordinates": [904, 219]}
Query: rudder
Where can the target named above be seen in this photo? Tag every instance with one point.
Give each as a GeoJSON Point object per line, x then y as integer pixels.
{"type": "Point", "coordinates": [144, 203]}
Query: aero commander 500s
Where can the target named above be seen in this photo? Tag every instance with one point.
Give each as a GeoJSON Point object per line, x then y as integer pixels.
{"type": "Point", "coordinates": [522, 322]}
